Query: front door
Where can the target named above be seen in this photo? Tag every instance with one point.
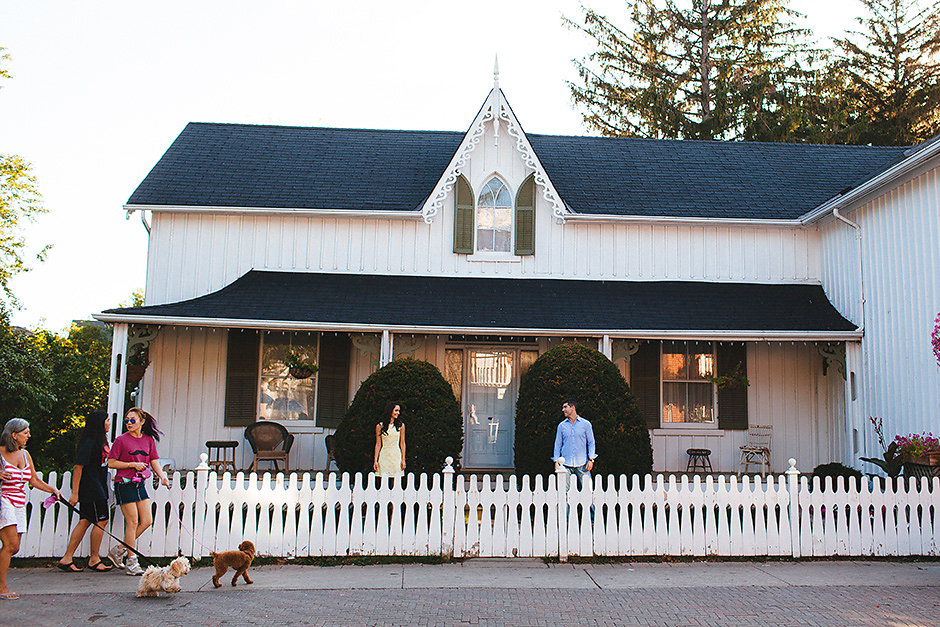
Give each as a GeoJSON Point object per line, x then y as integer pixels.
{"type": "Point", "coordinates": [490, 407]}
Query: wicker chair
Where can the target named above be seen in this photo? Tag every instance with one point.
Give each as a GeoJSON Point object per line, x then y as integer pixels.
{"type": "Point", "coordinates": [757, 449]}
{"type": "Point", "coordinates": [270, 442]}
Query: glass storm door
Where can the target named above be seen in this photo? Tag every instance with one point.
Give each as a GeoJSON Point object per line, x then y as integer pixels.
{"type": "Point", "coordinates": [489, 411]}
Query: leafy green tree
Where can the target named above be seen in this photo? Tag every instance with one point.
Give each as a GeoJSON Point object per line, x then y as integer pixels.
{"type": "Point", "coordinates": [53, 381]}
{"type": "Point", "coordinates": [701, 69]}
{"type": "Point", "coordinates": [26, 385]}
{"type": "Point", "coordinates": [891, 74]}
{"type": "Point", "coordinates": [78, 364]}
{"type": "Point", "coordinates": [19, 203]}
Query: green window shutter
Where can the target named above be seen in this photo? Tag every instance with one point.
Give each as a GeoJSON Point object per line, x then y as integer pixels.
{"type": "Point", "coordinates": [525, 218]}
{"type": "Point", "coordinates": [241, 378]}
{"type": "Point", "coordinates": [644, 382]}
{"type": "Point", "coordinates": [463, 218]}
{"type": "Point", "coordinates": [732, 401]}
{"type": "Point", "coordinates": [333, 379]}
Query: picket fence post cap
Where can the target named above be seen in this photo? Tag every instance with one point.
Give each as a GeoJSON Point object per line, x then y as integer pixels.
{"type": "Point", "coordinates": [203, 459]}
{"type": "Point", "coordinates": [561, 465]}
{"type": "Point", "coordinates": [448, 464]}
{"type": "Point", "coordinates": [792, 470]}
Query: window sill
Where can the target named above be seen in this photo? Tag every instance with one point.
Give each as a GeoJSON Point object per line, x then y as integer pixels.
{"type": "Point", "coordinates": [498, 257]}
{"type": "Point", "coordinates": [713, 432]}
{"type": "Point", "coordinates": [301, 426]}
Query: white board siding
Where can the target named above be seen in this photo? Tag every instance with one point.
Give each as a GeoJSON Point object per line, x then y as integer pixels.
{"type": "Point", "coordinates": [184, 388]}
{"type": "Point", "coordinates": [789, 392]}
{"type": "Point", "coordinates": [897, 374]}
{"type": "Point", "coordinates": [193, 254]}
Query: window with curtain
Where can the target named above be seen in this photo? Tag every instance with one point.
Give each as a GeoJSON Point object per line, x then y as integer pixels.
{"type": "Point", "coordinates": [494, 218]}
{"type": "Point", "coordinates": [688, 397]}
{"type": "Point", "coordinates": [284, 398]}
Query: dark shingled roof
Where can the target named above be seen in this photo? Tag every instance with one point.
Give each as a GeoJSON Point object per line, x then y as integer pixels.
{"type": "Point", "coordinates": [497, 303]}
{"type": "Point", "coordinates": [219, 165]}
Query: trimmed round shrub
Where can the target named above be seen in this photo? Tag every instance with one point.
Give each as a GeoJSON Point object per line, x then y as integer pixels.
{"type": "Point", "coordinates": [836, 470]}
{"type": "Point", "coordinates": [429, 410]}
{"type": "Point", "coordinates": [603, 397]}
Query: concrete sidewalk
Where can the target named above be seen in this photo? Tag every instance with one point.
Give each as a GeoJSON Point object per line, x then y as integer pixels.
{"type": "Point", "coordinates": [510, 574]}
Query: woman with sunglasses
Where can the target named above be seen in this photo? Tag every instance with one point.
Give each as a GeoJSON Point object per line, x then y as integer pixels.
{"type": "Point", "coordinates": [133, 455]}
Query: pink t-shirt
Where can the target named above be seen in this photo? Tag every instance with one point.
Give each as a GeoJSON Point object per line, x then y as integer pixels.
{"type": "Point", "coordinates": [127, 448]}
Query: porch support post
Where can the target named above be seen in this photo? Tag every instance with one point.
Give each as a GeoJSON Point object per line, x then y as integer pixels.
{"type": "Point", "coordinates": [117, 375]}
{"type": "Point", "coordinates": [385, 349]}
{"type": "Point", "coordinates": [605, 347]}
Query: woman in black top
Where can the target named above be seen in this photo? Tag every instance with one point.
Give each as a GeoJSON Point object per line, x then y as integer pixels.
{"type": "Point", "coordinates": [90, 491]}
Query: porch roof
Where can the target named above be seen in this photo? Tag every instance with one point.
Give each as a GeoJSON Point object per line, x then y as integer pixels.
{"type": "Point", "coordinates": [525, 306]}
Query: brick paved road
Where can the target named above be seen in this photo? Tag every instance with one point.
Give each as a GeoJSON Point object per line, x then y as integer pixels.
{"type": "Point", "coordinates": [753, 605]}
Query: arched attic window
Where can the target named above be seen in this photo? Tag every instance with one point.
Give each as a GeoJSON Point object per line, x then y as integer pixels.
{"type": "Point", "coordinates": [494, 218]}
{"type": "Point", "coordinates": [489, 226]}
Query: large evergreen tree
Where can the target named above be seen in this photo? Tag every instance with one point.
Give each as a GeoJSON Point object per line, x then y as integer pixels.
{"type": "Point", "coordinates": [891, 73]}
{"type": "Point", "coordinates": [696, 69]}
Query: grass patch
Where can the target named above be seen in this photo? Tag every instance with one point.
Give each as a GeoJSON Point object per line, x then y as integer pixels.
{"type": "Point", "coordinates": [349, 560]}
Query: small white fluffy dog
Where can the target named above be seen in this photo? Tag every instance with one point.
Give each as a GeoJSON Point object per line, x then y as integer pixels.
{"type": "Point", "coordinates": [167, 578]}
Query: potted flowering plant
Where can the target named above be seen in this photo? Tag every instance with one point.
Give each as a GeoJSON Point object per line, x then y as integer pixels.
{"type": "Point", "coordinates": [299, 365]}
{"type": "Point", "coordinates": [919, 448]}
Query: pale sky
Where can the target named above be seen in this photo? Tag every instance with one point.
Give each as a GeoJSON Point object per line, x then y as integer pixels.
{"type": "Point", "coordinates": [101, 88]}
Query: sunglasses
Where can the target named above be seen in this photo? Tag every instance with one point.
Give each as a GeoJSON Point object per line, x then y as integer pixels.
{"type": "Point", "coordinates": [130, 421]}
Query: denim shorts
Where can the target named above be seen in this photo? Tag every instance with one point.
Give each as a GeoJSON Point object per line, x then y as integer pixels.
{"type": "Point", "coordinates": [131, 492]}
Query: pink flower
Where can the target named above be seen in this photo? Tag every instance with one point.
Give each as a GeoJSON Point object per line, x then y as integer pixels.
{"type": "Point", "coordinates": [935, 338]}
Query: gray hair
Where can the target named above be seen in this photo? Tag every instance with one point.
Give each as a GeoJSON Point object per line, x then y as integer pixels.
{"type": "Point", "coordinates": [13, 425]}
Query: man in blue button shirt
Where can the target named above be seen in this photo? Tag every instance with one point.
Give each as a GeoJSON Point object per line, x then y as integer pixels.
{"type": "Point", "coordinates": [574, 441]}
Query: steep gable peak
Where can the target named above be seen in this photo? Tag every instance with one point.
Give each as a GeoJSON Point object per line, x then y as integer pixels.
{"type": "Point", "coordinates": [495, 119]}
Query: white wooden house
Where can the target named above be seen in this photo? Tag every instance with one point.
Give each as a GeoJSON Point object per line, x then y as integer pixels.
{"type": "Point", "coordinates": [813, 269]}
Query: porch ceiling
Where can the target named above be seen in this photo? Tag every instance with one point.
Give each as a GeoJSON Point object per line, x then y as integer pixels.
{"type": "Point", "coordinates": [361, 302]}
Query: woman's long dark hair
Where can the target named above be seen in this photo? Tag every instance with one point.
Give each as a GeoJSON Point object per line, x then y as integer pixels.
{"type": "Point", "coordinates": [94, 428]}
{"type": "Point", "coordinates": [387, 416]}
{"type": "Point", "coordinates": [150, 423]}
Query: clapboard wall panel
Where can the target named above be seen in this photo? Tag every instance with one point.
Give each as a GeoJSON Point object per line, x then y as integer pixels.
{"type": "Point", "coordinates": [194, 254]}
{"type": "Point", "coordinates": [897, 378]}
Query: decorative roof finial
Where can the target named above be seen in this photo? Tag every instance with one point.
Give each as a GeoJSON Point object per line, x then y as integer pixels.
{"type": "Point", "coordinates": [496, 71]}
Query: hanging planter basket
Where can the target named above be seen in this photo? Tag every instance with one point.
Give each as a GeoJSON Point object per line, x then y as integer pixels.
{"type": "Point", "coordinates": [301, 372]}
{"type": "Point", "coordinates": [135, 373]}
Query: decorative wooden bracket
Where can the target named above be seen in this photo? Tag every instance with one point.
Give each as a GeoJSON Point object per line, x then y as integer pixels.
{"type": "Point", "coordinates": [623, 349]}
{"type": "Point", "coordinates": [140, 335]}
{"type": "Point", "coordinates": [833, 355]}
{"type": "Point", "coordinates": [402, 347]}
{"type": "Point", "coordinates": [368, 346]}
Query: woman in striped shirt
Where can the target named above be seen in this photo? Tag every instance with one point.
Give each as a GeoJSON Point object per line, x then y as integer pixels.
{"type": "Point", "coordinates": [16, 470]}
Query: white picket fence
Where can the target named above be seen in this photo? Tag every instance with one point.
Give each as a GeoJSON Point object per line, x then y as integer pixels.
{"type": "Point", "coordinates": [336, 515]}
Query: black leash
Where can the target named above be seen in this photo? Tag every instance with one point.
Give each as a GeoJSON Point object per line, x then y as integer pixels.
{"type": "Point", "coordinates": [95, 524]}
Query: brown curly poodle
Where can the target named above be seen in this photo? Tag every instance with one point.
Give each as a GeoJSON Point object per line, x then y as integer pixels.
{"type": "Point", "coordinates": [239, 561]}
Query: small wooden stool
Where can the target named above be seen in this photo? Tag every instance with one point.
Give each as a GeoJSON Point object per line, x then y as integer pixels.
{"type": "Point", "coordinates": [699, 460]}
{"type": "Point", "coordinates": [222, 454]}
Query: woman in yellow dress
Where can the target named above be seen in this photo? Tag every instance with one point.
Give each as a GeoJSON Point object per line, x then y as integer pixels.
{"type": "Point", "coordinates": [390, 443]}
